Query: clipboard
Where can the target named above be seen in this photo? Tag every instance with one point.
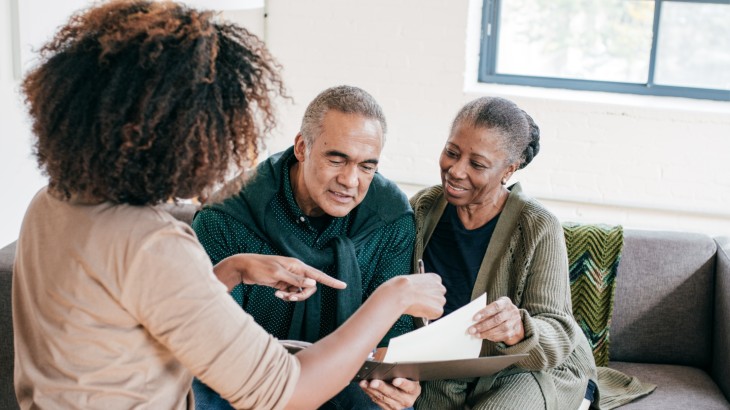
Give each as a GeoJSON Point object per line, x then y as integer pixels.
{"type": "Point", "coordinates": [436, 370]}
{"type": "Point", "coordinates": [423, 371]}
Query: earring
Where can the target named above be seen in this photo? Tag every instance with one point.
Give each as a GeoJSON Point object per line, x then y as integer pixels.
{"type": "Point", "coordinates": [504, 181]}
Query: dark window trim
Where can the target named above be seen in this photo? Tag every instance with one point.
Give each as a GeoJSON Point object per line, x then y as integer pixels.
{"type": "Point", "coordinates": [488, 63]}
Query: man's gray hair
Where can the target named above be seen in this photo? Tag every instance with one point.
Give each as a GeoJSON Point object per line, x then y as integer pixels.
{"type": "Point", "coordinates": [344, 98]}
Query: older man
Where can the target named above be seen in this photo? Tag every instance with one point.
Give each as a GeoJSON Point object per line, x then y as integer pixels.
{"type": "Point", "coordinates": [323, 202]}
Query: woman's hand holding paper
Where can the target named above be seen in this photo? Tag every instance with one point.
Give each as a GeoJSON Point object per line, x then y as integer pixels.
{"type": "Point", "coordinates": [499, 321]}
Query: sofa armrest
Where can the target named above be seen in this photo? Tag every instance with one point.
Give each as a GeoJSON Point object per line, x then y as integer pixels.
{"type": "Point", "coordinates": [721, 338]}
{"type": "Point", "coordinates": [7, 258]}
{"type": "Point", "coordinates": [7, 392]}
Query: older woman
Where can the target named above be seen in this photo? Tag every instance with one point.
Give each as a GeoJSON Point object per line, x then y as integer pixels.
{"type": "Point", "coordinates": [482, 235]}
{"type": "Point", "coordinates": [115, 303]}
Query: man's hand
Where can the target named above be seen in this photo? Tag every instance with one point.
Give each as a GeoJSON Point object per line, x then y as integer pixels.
{"type": "Point", "coordinates": [293, 279]}
{"type": "Point", "coordinates": [397, 395]}
{"type": "Point", "coordinates": [500, 321]}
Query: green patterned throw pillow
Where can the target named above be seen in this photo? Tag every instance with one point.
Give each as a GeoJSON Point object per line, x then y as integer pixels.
{"type": "Point", "coordinates": [594, 252]}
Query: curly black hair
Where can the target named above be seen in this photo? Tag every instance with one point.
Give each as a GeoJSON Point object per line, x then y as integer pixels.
{"type": "Point", "coordinates": [138, 102]}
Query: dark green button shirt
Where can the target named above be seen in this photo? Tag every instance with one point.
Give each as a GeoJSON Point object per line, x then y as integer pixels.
{"type": "Point", "coordinates": [386, 254]}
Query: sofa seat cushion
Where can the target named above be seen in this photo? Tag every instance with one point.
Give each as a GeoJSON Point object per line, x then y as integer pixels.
{"type": "Point", "coordinates": [678, 387]}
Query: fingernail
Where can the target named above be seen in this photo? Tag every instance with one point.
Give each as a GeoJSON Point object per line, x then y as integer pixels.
{"type": "Point", "coordinates": [397, 382]}
{"type": "Point", "coordinates": [294, 298]}
{"type": "Point", "coordinates": [309, 282]}
{"type": "Point", "coordinates": [374, 384]}
{"type": "Point", "coordinates": [472, 330]}
{"type": "Point", "coordinates": [478, 317]}
{"type": "Point", "coordinates": [278, 295]}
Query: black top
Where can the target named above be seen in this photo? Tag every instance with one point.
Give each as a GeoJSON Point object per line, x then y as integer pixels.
{"type": "Point", "coordinates": [591, 391]}
{"type": "Point", "coordinates": [456, 253]}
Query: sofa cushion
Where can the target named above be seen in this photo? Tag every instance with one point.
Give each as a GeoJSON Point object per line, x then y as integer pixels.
{"type": "Point", "coordinates": [664, 299]}
{"type": "Point", "coordinates": [678, 387]}
{"type": "Point", "coordinates": [593, 255]}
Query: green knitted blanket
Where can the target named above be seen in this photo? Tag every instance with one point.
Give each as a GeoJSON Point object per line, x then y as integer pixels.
{"type": "Point", "coordinates": [594, 252]}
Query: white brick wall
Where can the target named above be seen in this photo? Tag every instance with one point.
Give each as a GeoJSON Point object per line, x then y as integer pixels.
{"type": "Point", "coordinates": [659, 163]}
{"type": "Point", "coordinates": [19, 178]}
{"type": "Point", "coordinates": [644, 162]}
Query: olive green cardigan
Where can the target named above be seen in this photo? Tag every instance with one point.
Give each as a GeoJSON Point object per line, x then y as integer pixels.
{"type": "Point", "coordinates": [527, 261]}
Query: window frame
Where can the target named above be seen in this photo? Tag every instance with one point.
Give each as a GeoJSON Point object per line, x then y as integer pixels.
{"type": "Point", "coordinates": [488, 62]}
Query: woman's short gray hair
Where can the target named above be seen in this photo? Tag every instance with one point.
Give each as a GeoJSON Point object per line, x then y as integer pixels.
{"type": "Point", "coordinates": [519, 133]}
{"type": "Point", "coordinates": [344, 98]}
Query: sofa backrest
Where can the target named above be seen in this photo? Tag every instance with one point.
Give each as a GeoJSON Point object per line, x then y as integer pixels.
{"type": "Point", "coordinates": [663, 306]}
{"type": "Point", "coordinates": [182, 211]}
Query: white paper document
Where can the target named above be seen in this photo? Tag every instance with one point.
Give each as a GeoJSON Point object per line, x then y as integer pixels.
{"type": "Point", "coordinates": [444, 339]}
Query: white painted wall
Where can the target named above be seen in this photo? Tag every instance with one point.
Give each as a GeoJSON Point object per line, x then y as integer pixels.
{"type": "Point", "coordinates": [644, 162]}
{"type": "Point", "coordinates": [19, 176]}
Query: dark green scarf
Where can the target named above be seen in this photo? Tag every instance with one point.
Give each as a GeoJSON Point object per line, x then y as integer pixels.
{"type": "Point", "coordinates": [383, 204]}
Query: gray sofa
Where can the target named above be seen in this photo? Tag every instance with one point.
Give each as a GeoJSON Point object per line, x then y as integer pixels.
{"type": "Point", "coordinates": [671, 320]}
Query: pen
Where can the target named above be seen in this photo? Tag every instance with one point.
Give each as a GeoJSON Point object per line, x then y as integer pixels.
{"type": "Point", "coordinates": [422, 269]}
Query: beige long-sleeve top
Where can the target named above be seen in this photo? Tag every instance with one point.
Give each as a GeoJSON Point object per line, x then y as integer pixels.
{"type": "Point", "coordinates": [117, 306]}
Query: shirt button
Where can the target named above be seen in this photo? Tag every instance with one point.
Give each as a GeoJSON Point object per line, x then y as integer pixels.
{"type": "Point", "coordinates": [301, 219]}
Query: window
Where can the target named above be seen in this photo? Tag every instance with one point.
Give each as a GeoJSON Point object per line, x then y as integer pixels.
{"type": "Point", "coordinates": [662, 47]}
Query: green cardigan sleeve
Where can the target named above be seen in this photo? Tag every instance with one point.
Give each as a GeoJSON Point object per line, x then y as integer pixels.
{"type": "Point", "coordinates": [543, 292]}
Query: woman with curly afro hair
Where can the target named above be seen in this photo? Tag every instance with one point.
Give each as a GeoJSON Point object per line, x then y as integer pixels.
{"type": "Point", "coordinates": [115, 303]}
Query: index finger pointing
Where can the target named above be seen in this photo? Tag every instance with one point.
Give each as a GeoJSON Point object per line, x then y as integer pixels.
{"type": "Point", "coordinates": [325, 279]}
{"type": "Point", "coordinates": [319, 276]}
